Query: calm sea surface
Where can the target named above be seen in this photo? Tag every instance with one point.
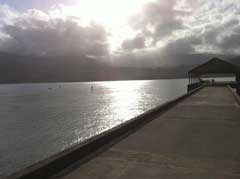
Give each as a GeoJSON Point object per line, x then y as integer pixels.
{"type": "Point", "coordinates": [39, 120]}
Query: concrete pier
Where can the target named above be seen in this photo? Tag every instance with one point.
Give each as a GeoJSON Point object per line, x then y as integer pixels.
{"type": "Point", "coordinates": [197, 138]}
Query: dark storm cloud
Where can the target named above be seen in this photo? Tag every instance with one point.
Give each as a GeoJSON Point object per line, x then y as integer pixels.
{"type": "Point", "coordinates": [158, 19]}
{"type": "Point", "coordinates": [182, 46]}
{"type": "Point", "coordinates": [164, 26]}
{"type": "Point", "coordinates": [36, 33]}
{"type": "Point", "coordinates": [136, 43]}
{"type": "Point", "coordinates": [206, 25]}
{"type": "Point", "coordinates": [175, 53]}
{"type": "Point", "coordinates": [219, 21]}
{"type": "Point", "coordinates": [231, 41]}
{"type": "Point", "coordinates": [224, 36]}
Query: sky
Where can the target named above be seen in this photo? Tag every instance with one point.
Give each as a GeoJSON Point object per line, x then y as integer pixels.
{"type": "Point", "coordinates": [120, 30]}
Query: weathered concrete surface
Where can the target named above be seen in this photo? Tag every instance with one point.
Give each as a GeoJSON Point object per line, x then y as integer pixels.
{"type": "Point", "coordinates": [198, 138]}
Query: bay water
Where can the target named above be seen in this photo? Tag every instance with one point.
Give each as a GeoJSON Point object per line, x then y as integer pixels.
{"type": "Point", "coordinates": [39, 120]}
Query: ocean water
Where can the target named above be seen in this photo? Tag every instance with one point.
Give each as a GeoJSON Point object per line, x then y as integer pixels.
{"type": "Point", "coordinates": [39, 120]}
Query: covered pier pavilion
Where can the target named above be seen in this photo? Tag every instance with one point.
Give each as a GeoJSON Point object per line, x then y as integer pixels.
{"type": "Point", "coordinates": [214, 68]}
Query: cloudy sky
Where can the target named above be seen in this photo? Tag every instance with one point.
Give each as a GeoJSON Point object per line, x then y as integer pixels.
{"type": "Point", "coordinates": [126, 29]}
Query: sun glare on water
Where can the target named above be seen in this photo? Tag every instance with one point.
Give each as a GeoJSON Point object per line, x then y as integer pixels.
{"type": "Point", "coordinates": [112, 14]}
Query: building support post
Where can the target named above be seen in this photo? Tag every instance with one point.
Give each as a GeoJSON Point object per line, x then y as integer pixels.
{"type": "Point", "coordinates": [238, 83]}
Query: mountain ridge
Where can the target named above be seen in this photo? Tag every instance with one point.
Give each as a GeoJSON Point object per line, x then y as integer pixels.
{"type": "Point", "coordinates": [29, 69]}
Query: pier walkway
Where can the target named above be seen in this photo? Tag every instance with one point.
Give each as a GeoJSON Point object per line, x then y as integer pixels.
{"type": "Point", "coordinates": [198, 138]}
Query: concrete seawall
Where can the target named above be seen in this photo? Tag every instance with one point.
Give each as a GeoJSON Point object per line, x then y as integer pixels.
{"type": "Point", "coordinates": [88, 149]}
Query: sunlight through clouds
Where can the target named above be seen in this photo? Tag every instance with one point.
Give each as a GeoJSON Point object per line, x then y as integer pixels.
{"type": "Point", "coordinates": [121, 27]}
{"type": "Point", "coordinates": [113, 15]}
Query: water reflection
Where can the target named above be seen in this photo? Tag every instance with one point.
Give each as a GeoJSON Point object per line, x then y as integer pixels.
{"type": "Point", "coordinates": [34, 117]}
{"type": "Point", "coordinates": [126, 101]}
{"type": "Point", "coordinates": [115, 102]}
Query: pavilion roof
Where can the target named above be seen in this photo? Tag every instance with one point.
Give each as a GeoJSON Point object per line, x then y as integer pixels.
{"type": "Point", "coordinates": [215, 66]}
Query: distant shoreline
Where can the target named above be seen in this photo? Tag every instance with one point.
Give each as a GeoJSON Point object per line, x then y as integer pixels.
{"type": "Point", "coordinates": [40, 82]}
